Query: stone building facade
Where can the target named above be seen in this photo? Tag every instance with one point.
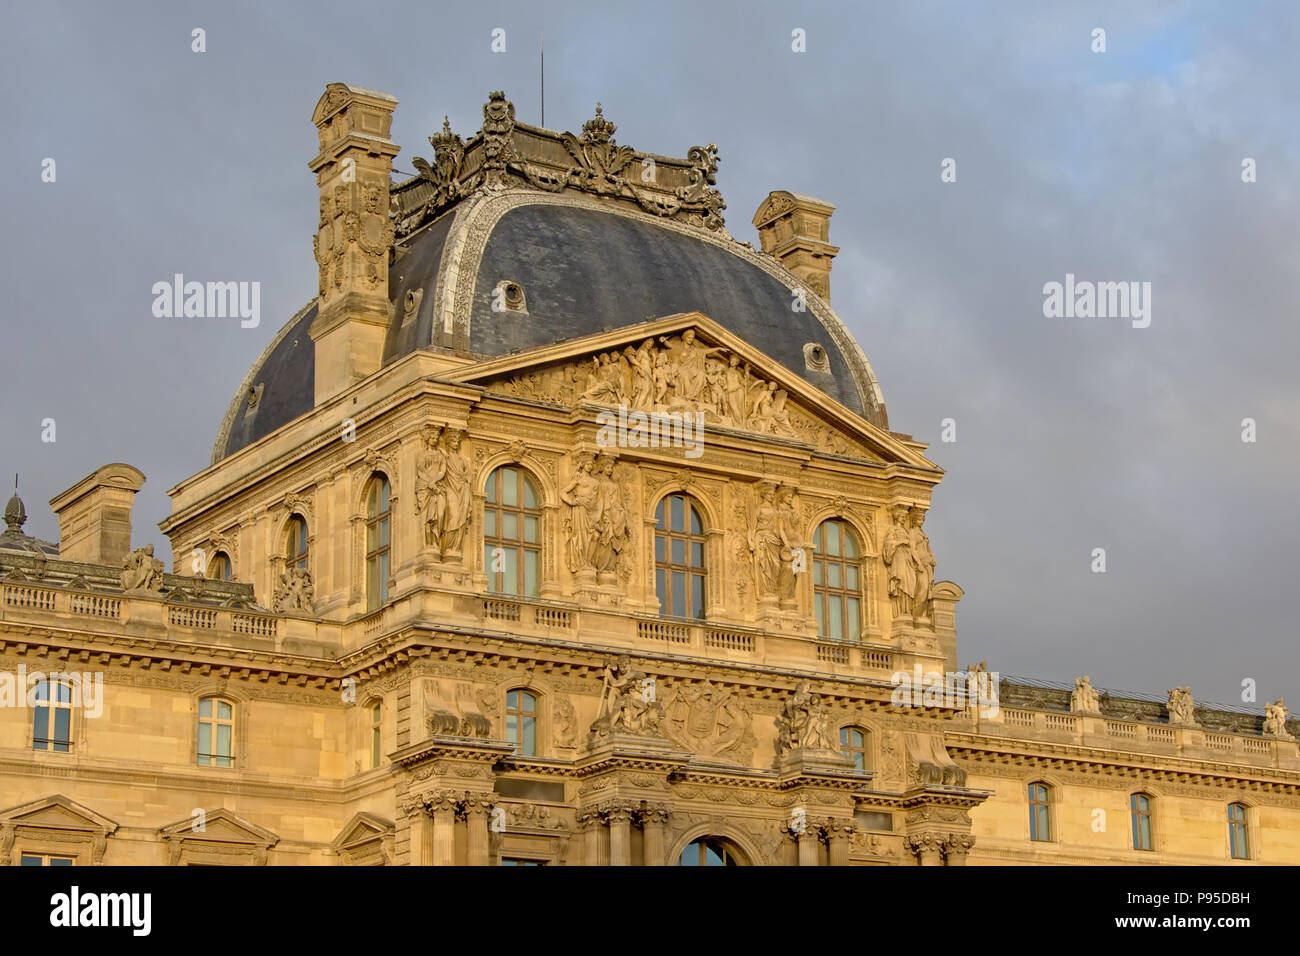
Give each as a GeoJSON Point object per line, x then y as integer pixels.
{"type": "Point", "coordinates": [561, 527]}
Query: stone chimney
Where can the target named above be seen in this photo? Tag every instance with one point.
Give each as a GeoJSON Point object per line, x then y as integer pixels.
{"type": "Point", "coordinates": [793, 229]}
{"type": "Point", "coordinates": [95, 515]}
{"type": "Point", "coordinates": [354, 236]}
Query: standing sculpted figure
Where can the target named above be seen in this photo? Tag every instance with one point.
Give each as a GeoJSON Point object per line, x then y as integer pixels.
{"type": "Point", "coordinates": [452, 494]}
{"type": "Point", "coordinates": [611, 525]}
{"type": "Point", "coordinates": [641, 361]}
{"type": "Point", "coordinates": [1181, 706]}
{"type": "Point", "coordinates": [627, 702]}
{"type": "Point", "coordinates": [897, 555]}
{"type": "Point", "coordinates": [583, 498]}
{"type": "Point", "coordinates": [691, 373]}
{"type": "Point", "coordinates": [736, 386]}
{"type": "Point", "coordinates": [803, 722]}
{"type": "Point", "coordinates": [430, 467]}
{"type": "Point", "coordinates": [1085, 699]}
{"type": "Point", "coordinates": [791, 545]}
{"type": "Point", "coordinates": [765, 543]}
{"type": "Point", "coordinates": [1275, 716]}
{"type": "Point", "coordinates": [924, 562]}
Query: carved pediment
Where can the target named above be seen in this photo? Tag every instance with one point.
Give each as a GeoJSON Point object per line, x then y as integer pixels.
{"type": "Point", "coordinates": [220, 826]}
{"type": "Point", "coordinates": [689, 365]}
{"type": "Point", "coordinates": [362, 828]}
{"type": "Point", "coordinates": [57, 812]}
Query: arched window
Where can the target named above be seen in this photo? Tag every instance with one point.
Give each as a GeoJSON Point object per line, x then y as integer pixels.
{"type": "Point", "coordinates": [52, 717]}
{"type": "Point", "coordinates": [1040, 813]}
{"type": "Point", "coordinates": [1139, 805]}
{"type": "Point", "coordinates": [837, 585]}
{"type": "Point", "coordinates": [708, 852]}
{"type": "Point", "coordinates": [854, 744]}
{"type": "Point", "coordinates": [521, 722]}
{"type": "Point", "coordinates": [1238, 836]}
{"type": "Point", "coordinates": [216, 732]}
{"type": "Point", "coordinates": [376, 734]}
{"type": "Point", "coordinates": [219, 568]}
{"type": "Point", "coordinates": [679, 558]}
{"type": "Point", "coordinates": [379, 520]}
{"type": "Point", "coordinates": [295, 543]}
{"type": "Point", "coordinates": [512, 522]}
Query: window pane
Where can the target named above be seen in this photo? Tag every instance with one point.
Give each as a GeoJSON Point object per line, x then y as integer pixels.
{"type": "Point", "coordinates": [383, 533]}
{"type": "Point", "coordinates": [63, 693]}
{"type": "Point", "coordinates": [851, 577]}
{"type": "Point", "coordinates": [60, 861]}
{"type": "Point", "coordinates": [659, 548]}
{"type": "Point", "coordinates": [509, 526]}
{"type": "Point", "coordinates": [675, 504]}
{"type": "Point", "coordinates": [511, 583]}
{"type": "Point", "coordinates": [853, 620]}
{"type": "Point", "coordinates": [697, 554]}
{"type": "Point", "coordinates": [696, 526]}
{"type": "Point", "coordinates": [530, 494]}
{"type": "Point", "coordinates": [659, 589]}
{"type": "Point", "coordinates": [678, 551]}
{"type": "Point", "coordinates": [530, 737]}
{"type": "Point", "coordinates": [31, 861]}
{"type": "Point", "coordinates": [821, 618]}
{"type": "Point", "coordinates": [850, 545]}
{"type": "Point", "coordinates": [835, 625]}
{"type": "Point", "coordinates": [531, 577]}
{"type": "Point", "coordinates": [205, 707]}
{"type": "Point", "coordinates": [40, 728]}
{"type": "Point", "coordinates": [509, 487]}
{"type": "Point", "coordinates": [679, 594]}
{"type": "Point", "coordinates": [223, 710]}
{"type": "Point", "coordinates": [833, 575]}
{"type": "Point", "coordinates": [62, 721]}
{"type": "Point", "coordinates": [383, 495]}
{"type": "Point", "coordinates": [205, 742]}
{"type": "Point", "coordinates": [512, 700]}
{"type": "Point", "coordinates": [223, 740]}
{"type": "Point", "coordinates": [491, 488]}
{"type": "Point", "coordinates": [489, 523]}
{"type": "Point", "coordinates": [832, 538]}
{"type": "Point", "coordinates": [530, 529]}
{"type": "Point", "coordinates": [659, 515]}
{"type": "Point", "coordinates": [697, 590]}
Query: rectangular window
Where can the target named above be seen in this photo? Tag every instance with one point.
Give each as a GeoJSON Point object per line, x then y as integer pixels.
{"type": "Point", "coordinates": [44, 859]}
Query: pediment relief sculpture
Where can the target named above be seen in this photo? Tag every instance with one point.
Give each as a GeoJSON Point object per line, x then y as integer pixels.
{"type": "Point", "coordinates": [454, 711]}
{"type": "Point", "coordinates": [680, 375]}
{"type": "Point", "coordinates": [627, 702]}
{"type": "Point", "coordinates": [711, 722]}
{"type": "Point", "coordinates": [803, 723]}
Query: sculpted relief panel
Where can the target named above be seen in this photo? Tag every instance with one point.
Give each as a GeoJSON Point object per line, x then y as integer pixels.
{"type": "Point", "coordinates": [680, 375]}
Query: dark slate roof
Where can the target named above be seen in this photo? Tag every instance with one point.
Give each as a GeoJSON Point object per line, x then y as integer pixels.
{"type": "Point", "coordinates": [288, 380]}
{"type": "Point", "coordinates": [583, 270]}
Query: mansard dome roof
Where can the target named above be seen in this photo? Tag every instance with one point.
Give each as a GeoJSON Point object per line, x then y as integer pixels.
{"type": "Point", "coordinates": [565, 248]}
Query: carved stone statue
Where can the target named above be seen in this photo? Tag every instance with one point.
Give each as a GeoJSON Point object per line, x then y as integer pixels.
{"type": "Point", "coordinates": [583, 498]}
{"type": "Point", "coordinates": [924, 562]}
{"type": "Point", "coordinates": [295, 591]}
{"type": "Point", "coordinates": [451, 499]}
{"type": "Point", "coordinates": [627, 702]}
{"type": "Point", "coordinates": [141, 571]}
{"type": "Point", "coordinates": [736, 386]}
{"type": "Point", "coordinates": [430, 467]}
{"type": "Point", "coordinates": [610, 527]}
{"type": "Point", "coordinates": [1084, 699]}
{"type": "Point", "coordinates": [765, 544]}
{"type": "Point", "coordinates": [1275, 717]}
{"type": "Point", "coordinates": [802, 723]}
{"type": "Point", "coordinates": [897, 555]}
{"type": "Point", "coordinates": [1181, 706]}
{"type": "Point", "coordinates": [641, 365]}
{"type": "Point", "coordinates": [709, 721]}
{"type": "Point", "coordinates": [791, 543]}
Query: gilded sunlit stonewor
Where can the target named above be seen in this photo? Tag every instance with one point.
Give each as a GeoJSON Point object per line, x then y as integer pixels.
{"type": "Point", "coordinates": [562, 527]}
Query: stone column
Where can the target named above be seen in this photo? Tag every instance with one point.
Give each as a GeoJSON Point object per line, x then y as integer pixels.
{"type": "Point", "coordinates": [956, 848]}
{"type": "Point", "coordinates": [476, 820]}
{"type": "Point", "coordinates": [443, 807]}
{"type": "Point", "coordinates": [620, 836]}
{"type": "Point", "coordinates": [421, 830]}
{"type": "Point", "coordinates": [838, 834]}
{"type": "Point", "coordinates": [653, 822]}
{"type": "Point", "coordinates": [928, 848]}
{"type": "Point", "coordinates": [595, 846]}
{"type": "Point", "coordinates": [809, 842]}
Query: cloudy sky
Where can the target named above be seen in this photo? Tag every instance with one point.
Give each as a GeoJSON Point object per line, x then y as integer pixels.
{"type": "Point", "coordinates": [1072, 434]}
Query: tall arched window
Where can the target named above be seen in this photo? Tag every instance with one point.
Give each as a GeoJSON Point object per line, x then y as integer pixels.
{"type": "Point", "coordinates": [216, 732]}
{"type": "Point", "coordinates": [837, 585]}
{"type": "Point", "coordinates": [1238, 835]}
{"type": "Point", "coordinates": [1040, 813]}
{"type": "Point", "coordinates": [854, 745]}
{"type": "Point", "coordinates": [512, 533]}
{"type": "Point", "coordinates": [1139, 805]}
{"type": "Point", "coordinates": [679, 558]}
{"type": "Point", "coordinates": [521, 722]}
{"type": "Point", "coordinates": [708, 852]}
{"type": "Point", "coordinates": [219, 567]}
{"type": "Point", "coordinates": [379, 520]}
{"type": "Point", "coordinates": [376, 734]}
{"type": "Point", "coordinates": [295, 543]}
{"type": "Point", "coordinates": [52, 717]}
